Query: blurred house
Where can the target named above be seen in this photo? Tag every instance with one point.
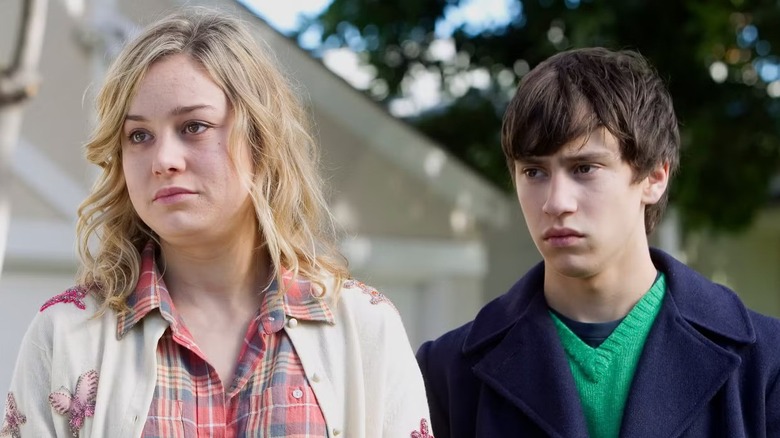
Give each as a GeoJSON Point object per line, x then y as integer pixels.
{"type": "Point", "coordinates": [419, 226]}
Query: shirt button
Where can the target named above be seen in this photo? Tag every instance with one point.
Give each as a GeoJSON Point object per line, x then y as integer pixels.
{"type": "Point", "coordinates": [297, 393]}
{"type": "Point", "coordinates": [336, 432]}
{"type": "Point", "coordinates": [315, 377]}
{"type": "Point", "coordinates": [292, 323]}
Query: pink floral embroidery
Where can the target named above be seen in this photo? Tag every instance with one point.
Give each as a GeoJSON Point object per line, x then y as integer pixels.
{"type": "Point", "coordinates": [13, 418]}
{"type": "Point", "coordinates": [376, 296]}
{"type": "Point", "coordinates": [74, 295]}
{"type": "Point", "coordinates": [423, 432]}
{"type": "Point", "coordinates": [79, 405]}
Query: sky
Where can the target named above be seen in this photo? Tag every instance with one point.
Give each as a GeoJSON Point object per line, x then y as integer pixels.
{"type": "Point", "coordinates": [285, 15]}
{"type": "Point", "coordinates": [476, 14]}
{"type": "Point", "coordinates": [423, 91]}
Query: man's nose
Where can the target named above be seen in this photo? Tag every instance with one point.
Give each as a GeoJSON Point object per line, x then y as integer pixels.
{"type": "Point", "coordinates": [561, 197]}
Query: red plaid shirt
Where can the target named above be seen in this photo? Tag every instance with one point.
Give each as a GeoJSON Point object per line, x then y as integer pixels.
{"type": "Point", "coordinates": [269, 395]}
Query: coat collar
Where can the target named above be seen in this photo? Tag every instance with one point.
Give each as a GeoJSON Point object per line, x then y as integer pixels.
{"type": "Point", "coordinates": [705, 305]}
{"type": "Point", "coordinates": [528, 368]}
{"type": "Point", "coordinates": [502, 313]}
{"type": "Point", "coordinates": [518, 354]}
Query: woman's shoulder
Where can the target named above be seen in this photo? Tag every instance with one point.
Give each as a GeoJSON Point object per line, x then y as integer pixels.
{"type": "Point", "coordinates": [365, 304]}
{"type": "Point", "coordinates": [74, 297]}
{"type": "Point", "coordinates": [74, 306]}
{"type": "Point", "coordinates": [358, 295]}
{"type": "Point", "coordinates": [66, 319]}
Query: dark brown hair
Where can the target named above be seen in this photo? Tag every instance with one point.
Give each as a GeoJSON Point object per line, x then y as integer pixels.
{"type": "Point", "coordinates": [573, 93]}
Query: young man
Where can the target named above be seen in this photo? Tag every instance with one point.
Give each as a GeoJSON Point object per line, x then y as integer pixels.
{"type": "Point", "coordinates": [607, 337]}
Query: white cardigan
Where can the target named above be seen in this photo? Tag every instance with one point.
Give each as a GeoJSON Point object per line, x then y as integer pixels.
{"type": "Point", "coordinates": [362, 369]}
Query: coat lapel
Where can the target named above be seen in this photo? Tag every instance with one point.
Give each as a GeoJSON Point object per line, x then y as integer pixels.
{"type": "Point", "coordinates": [679, 372]}
{"type": "Point", "coordinates": [530, 370]}
{"type": "Point", "coordinates": [689, 353]}
{"type": "Point", "coordinates": [528, 367]}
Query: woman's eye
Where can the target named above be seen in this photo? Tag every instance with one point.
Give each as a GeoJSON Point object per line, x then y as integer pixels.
{"type": "Point", "coordinates": [194, 128]}
{"type": "Point", "coordinates": [138, 137]}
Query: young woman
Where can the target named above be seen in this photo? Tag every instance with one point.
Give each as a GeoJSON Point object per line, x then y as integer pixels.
{"type": "Point", "coordinates": [210, 300]}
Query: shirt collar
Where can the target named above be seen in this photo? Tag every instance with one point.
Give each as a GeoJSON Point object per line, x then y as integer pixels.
{"type": "Point", "coordinates": [300, 300]}
{"type": "Point", "coordinates": [150, 293]}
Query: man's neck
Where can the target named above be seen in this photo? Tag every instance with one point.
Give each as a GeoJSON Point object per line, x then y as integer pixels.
{"type": "Point", "coordinates": [606, 296]}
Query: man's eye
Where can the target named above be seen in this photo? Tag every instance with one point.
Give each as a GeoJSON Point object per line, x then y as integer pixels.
{"type": "Point", "coordinates": [585, 168]}
{"type": "Point", "coordinates": [531, 173]}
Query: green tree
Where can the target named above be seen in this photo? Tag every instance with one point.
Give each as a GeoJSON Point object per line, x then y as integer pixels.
{"type": "Point", "coordinates": [716, 56]}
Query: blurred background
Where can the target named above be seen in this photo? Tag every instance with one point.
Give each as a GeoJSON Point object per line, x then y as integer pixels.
{"type": "Point", "coordinates": [407, 98]}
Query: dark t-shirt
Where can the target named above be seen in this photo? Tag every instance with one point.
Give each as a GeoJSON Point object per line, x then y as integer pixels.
{"type": "Point", "coordinates": [592, 333]}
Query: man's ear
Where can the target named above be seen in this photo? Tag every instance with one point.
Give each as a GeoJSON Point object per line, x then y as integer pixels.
{"type": "Point", "coordinates": [655, 184]}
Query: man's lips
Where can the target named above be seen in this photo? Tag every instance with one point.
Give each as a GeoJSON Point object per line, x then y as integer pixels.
{"type": "Point", "coordinates": [560, 233]}
{"type": "Point", "coordinates": [171, 191]}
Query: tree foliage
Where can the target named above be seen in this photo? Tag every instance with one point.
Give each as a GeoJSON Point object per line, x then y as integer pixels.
{"type": "Point", "coordinates": [717, 57]}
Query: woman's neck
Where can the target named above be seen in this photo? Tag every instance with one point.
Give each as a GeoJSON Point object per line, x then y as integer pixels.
{"type": "Point", "coordinates": [226, 273]}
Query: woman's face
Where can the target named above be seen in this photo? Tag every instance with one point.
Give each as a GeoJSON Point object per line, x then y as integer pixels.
{"type": "Point", "coordinates": [175, 158]}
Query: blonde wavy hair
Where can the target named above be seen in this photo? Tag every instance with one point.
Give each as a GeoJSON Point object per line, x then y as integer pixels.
{"type": "Point", "coordinates": [285, 187]}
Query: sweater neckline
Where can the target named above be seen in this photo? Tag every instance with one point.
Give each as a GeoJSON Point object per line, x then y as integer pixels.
{"type": "Point", "coordinates": [594, 362]}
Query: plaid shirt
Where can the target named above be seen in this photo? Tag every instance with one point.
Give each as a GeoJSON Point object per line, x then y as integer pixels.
{"type": "Point", "coordinates": [269, 396]}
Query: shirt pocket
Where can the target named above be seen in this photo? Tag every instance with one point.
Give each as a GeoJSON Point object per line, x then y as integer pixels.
{"type": "Point", "coordinates": [165, 421]}
{"type": "Point", "coordinates": [286, 411]}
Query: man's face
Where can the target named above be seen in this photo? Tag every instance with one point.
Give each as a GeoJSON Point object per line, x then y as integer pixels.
{"type": "Point", "coordinates": [582, 207]}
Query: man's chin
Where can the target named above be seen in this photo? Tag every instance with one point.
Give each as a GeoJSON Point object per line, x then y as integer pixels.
{"type": "Point", "coordinates": [570, 265]}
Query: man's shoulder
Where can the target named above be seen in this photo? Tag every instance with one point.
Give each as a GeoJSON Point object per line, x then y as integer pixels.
{"type": "Point", "coordinates": [489, 324]}
{"type": "Point", "coordinates": [448, 346]}
{"type": "Point", "coordinates": [762, 360]}
{"type": "Point", "coordinates": [719, 309]}
{"type": "Point", "coordinates": [767, 330]}
{"type": "Point", "coordinates": [446, 370]}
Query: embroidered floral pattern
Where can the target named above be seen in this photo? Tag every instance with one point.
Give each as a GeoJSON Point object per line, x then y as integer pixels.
{"type": "Point", "coordinates": [423, 432]}
{"type": "Point", "coordinates": [79, 405]}
{"type": "Point", "coordinates": [376, 296]}
{"type": "Point", "coordinates": [73, 295]}
{"type": "Point", "coordinates": [13, 418]}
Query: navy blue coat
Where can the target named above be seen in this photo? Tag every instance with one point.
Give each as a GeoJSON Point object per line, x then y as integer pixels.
{"type": "Point", "coordinates": [709, 368]}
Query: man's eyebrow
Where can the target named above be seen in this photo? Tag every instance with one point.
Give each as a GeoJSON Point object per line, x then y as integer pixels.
{"type": "Point", "coordinates": [570, 158]}
{"type": "Point", "coordinates": [532, 160]}
{"type": "Point", "coordinates": [179, 110]}
{"type": "Point", "coordinates": [588, 156]}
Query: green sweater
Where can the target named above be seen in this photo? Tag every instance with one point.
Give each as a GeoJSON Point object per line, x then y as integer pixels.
{"type": "Point", "coordinates": [603, 375]}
